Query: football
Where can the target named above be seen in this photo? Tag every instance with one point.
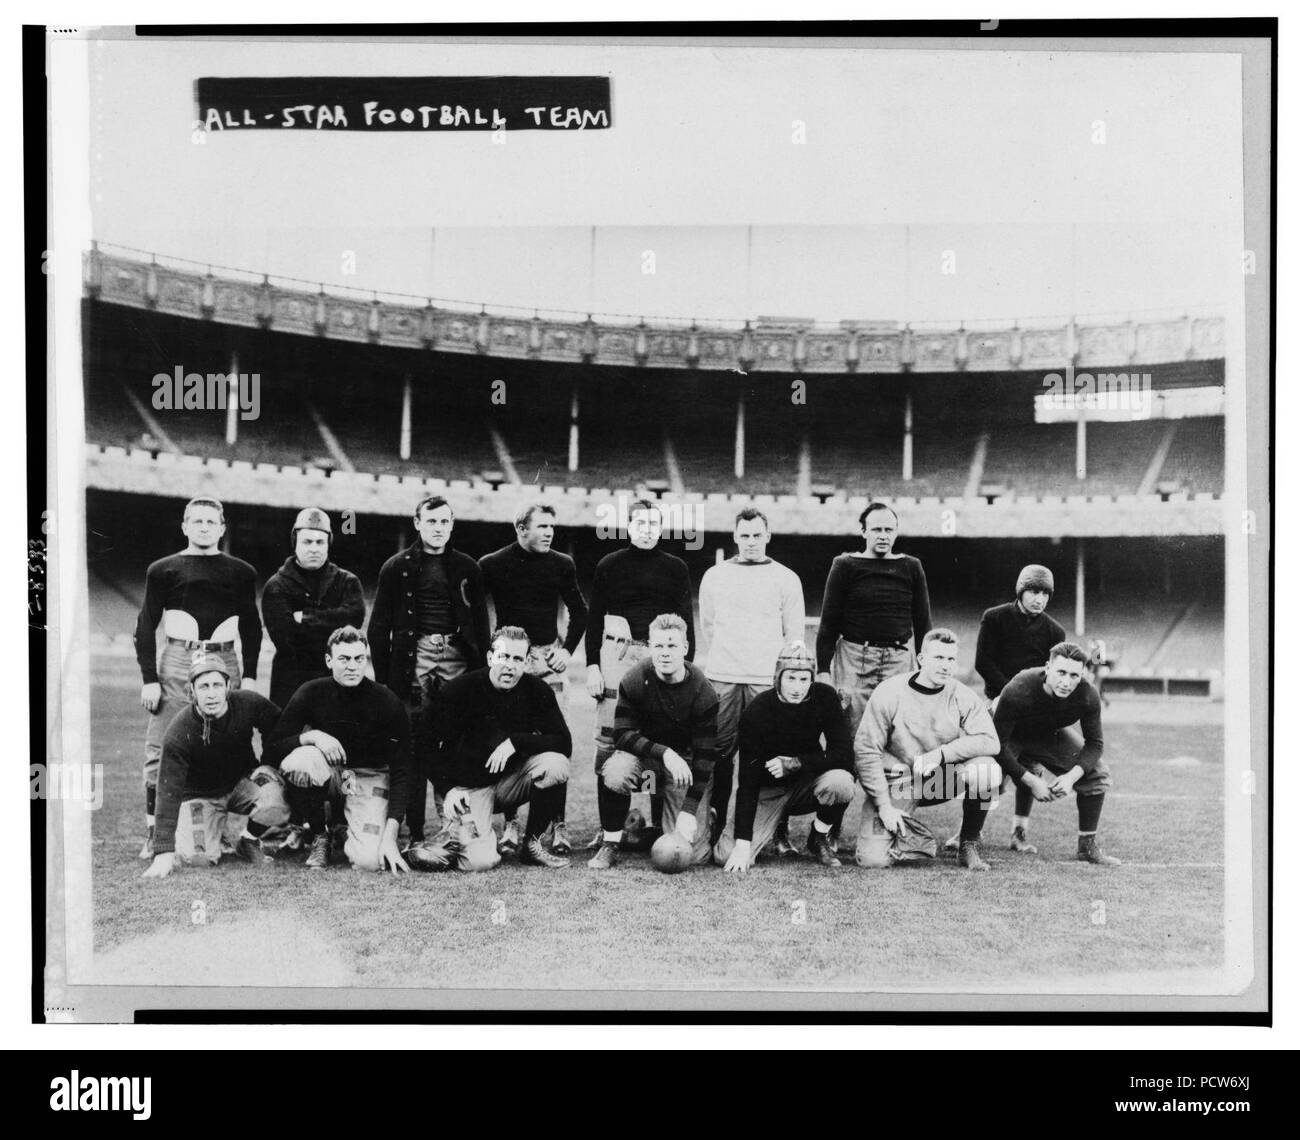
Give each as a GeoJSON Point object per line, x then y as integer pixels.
{"type": "Point", "coordinates": [670, 854]}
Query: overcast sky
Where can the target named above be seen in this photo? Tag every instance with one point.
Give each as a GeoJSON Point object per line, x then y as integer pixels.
{"type": "Point", "coordinates": [931, 185]}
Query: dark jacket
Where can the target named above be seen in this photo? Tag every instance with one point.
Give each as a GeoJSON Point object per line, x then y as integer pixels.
{"type": "Point", "coordinates": [391, 632]}
{"type": "Point", "coordinates": [335, 601]}
{"type": "Point", "coordinates": [1011, 640]}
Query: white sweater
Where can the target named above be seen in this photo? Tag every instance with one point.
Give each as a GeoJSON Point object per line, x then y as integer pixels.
{"type": "Point", "coordinates": [749, 612]}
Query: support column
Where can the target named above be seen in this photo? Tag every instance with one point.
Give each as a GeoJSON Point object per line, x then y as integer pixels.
{"type": "Point", "coordinates": [1078, 588]}
{"type": "Point", "coordinates": [573, 425]}
{"type": "Point", "coordinates": [232, 402]}
{"type": "Point", "coordinates": [404, 439]}
{"type": "Point", "coordinates": [907, 439]}
{"type": "Point", "coordinates": [740, 436]}
{"type": "Point", "coordinates": [1081, 441]}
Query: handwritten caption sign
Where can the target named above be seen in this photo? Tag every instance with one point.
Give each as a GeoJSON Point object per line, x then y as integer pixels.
{"type": "Point", "coordinates": [405, 103]}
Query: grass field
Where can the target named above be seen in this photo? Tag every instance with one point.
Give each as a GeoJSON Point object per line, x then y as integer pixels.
{"type": "Point", "coordinates": [1032, 921]}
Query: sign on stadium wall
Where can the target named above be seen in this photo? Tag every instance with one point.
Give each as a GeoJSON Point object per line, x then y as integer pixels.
{"type": "Point", "coordinates": [405, 103]}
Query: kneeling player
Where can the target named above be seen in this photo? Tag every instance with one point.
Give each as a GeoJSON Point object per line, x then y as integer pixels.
{"type": "Point", "coordinates": [1033, 716]}
{"type": "Point", "coordinates": [784, 770]}
{"type": "Point", "coordinates": [925, 739]}
{"type": "Point", "coordinates": [213, 798]}
{"type": "Point", "coordinates": [665, 726]}
{"type": "Point", "coordinates": [344, 736]}
{"type": "Point", "coordinates": [504, 744]}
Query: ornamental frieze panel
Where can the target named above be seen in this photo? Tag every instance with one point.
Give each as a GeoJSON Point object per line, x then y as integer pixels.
{"type": "Point", "coordinates": [778, 346]}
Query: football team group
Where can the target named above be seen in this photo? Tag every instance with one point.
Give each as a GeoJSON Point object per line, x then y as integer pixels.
{"type": "Point", "coordinates": [726, 751]}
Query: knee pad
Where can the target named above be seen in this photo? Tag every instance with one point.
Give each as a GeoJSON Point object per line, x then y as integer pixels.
{"type": "Point", "coordinates": [620, 775]}
{"type": "Point", "coordinates": [553, 769]}
{"type": "Point", "coordinates": [309, 759]}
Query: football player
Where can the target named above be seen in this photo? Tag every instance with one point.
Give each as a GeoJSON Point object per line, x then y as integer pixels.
{"type": "Point", "coordinates": [924, 739]}
{"type": "Point", "coordinates": [504, 744]}
{"type": "Point", "coordinates": [1041, 751]}
{"type": "Point", "coordinates": [305, 601]}
{"type": "Point", "coordinates": [666, 725]}
{"type": "Point", "coordinates": [213, 796]}
{"type": "Point", "coordinates": [784, 769]}
{"type": "Point", "coordinates": [346, 736]}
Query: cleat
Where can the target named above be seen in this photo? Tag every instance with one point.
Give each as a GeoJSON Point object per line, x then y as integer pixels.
{"type": "Point", "coordinates": [952, 843]}
{"type": "Point", "coordinates": [560, 844]}
{"type": "Point", "coordinates": [596, 840]}
{"type": "Point", "coordinates": [1020, 842]}
{"type": "Point", "coordinates": [319, 858]}
{"type": "Point", "coordinates": [969, 856]}
{"type": "Point", "coordinates": [533, 854]}
{"type": "Point", "coordinates": [605, 858]}
{"type": "Point", "coordinates": [146, 852]}
{"type": "Point", "coordinates": [782, 848]}
{"type": "Point", "coordinates": [338, 836]}
{"type": "Point", "coordinates": [1089, 852]}
{"type": "Point", "coordinates": [819, 846]}
{"type": "Point", "coordinates": [509, 842]}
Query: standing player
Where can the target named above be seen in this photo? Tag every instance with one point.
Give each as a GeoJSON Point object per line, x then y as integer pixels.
{"type": "Point", "coordinates": [305, 601]}
{"type": "Point", "coordinates": [1034, 715]}
{"type": "Point", "coordinates": [666, 725]}
{"type": "Point", "coordinates": [750, 606]}
{"type": "Point", "coordinates": [630, 588]}
{"type": "Point", "coordinates": [505, 743]}
{"type": "Point", "coordinates": [527, 581]}
{"type": "Point", "coordinates": [1014, 636]}
{"type": "Point", "coordinates": [925, 739]}
{"type": "Point", "coordinates": [208, 774]}
{"type": "Point", "coordinates": [784, 769]}
{"type": "Point", "coordinates": [430, 624]}
{"type": "Point", "coordinates": [203, 598]}
{"type": "Point", "coordinates": [346, 736]}
{"type": "Point", "coordinates": [875, 603]}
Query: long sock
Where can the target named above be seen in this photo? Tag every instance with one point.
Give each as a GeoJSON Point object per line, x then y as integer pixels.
{"type": "Point", "coordinates": [656, 811]}
{"type": "Point", "coordinates": [150, 804]}
{"type": "Point", "coordinates": [613, 806]}
{"type": "Point", "coordinates": [559, 812]}
{"type": "Point", "coordinates": [1090, 812]}
{"type": "Point", "coordinates": [1021, 822]}
{"type": "Point", "coordinates": [831, 815]}
{"type": "Point", "coordinates": [973, 814]}
{"type": "Point", "coordinates": [308, 805]}
{"type": "Point", "coordinates": [542, 805]}
{"type": "Point", "coordinates": [1024, 803]}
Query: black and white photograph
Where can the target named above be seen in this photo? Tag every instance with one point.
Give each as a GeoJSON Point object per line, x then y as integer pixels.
{"type": "Point", "coordinates": [656, 523]}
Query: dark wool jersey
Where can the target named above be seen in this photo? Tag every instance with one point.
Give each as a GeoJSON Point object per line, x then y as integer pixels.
{"type": "Point", "coordinates": [772, 727]}
{"type": "Point", "coordinates": [208, 587]}
{"type": "Point", "coordinates": [1011, 640]}
{"type": "Point", "coordinates": [1027, 715]}
{"type": "Point", "coordinates": [327, 598]}
{"type": "Point", "coordinates": [653, 716]}
{"type": "Point", "coordinates": [639, 585]}
{"type": "Point", "coordinates": [872, 599]}
{"type": "Point", "coordinates": [368, 720]}
{"type": "Point", "coordinates": [471, 717]}
{"type": "Point", "coordinates": [431, 599]}
{"type": "Point", "coordinates": [526, 587]}
{"type": "Point", "coordinates": [204, 758]}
